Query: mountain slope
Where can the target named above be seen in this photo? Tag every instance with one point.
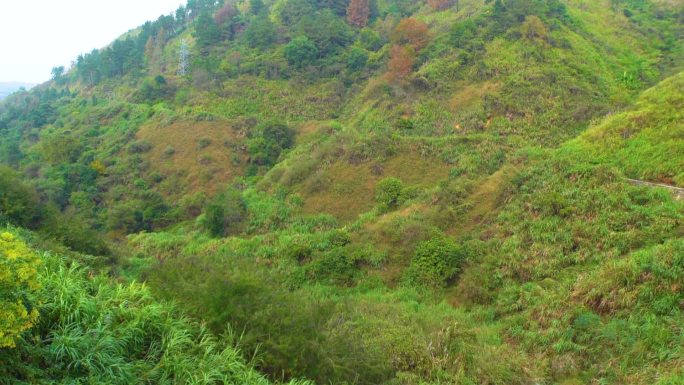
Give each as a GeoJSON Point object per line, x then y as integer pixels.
{"type": "Point", "coordinates": [381, 192]}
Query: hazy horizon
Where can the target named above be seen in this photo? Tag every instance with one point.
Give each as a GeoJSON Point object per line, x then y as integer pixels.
{"type": "Point", "coordinates": [67, 29]}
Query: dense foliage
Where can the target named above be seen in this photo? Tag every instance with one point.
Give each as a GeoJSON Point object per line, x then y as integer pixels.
{"type": "Point", "coordinates": [91, 330]}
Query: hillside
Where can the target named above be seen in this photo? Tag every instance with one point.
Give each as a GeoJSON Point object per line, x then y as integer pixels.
{"type": "Point", "coordinates": [371, 192]}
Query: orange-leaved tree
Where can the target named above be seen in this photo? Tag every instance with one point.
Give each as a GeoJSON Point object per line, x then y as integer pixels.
{"type": "Point", "coordinates": [358, 12]}
{"type": "Point", "coordinates": [401, 62]}
{"type": "Point", "coordinates": [412, 32]}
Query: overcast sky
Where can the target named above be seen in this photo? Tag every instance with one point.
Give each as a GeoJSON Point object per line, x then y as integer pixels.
{"type": "Point", "coordinates": [37, 35]}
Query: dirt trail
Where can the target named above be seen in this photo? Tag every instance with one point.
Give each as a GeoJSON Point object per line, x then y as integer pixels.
{"type": "Point", "coordinates": [677, 191]}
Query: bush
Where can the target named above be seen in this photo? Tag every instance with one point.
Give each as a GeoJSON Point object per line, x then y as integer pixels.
{"type": "Point", "coordinates": [268, 141]}
{"type": "Point", "coordinates": [388, 193]}
{"type": "Point", "coordinates": [224, 213]}
{"type": "Point", "coordinates": [18, 284]}
{"type": "Point", "coordinates": [435, 262]}
{"type": "Point", "coordinates": [301, 52]}
{"type": "Point", "coordinates": [139, 147]}
{"type": "Point", "coordinates": [93, 331]}
{"type": "Point", "coordinates": [203, 143]}
{"type": "Point", "coordinates": [357, 59]}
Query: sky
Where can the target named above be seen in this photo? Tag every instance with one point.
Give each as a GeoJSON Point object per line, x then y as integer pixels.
{"type": "Point", "coordinates": [37, 35]}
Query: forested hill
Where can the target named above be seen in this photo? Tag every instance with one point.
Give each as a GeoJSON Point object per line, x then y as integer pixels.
{"type": "Point", "coordinates": [364, 191]}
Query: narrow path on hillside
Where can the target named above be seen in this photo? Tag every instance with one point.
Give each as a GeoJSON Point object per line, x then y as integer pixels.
{"type": "Point", "coordinates": [677, 191]}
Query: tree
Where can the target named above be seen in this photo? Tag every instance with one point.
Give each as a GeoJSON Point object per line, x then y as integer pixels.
{"type": "Point", "coordinates": [339, 7]}
{"type": "Point", "coordinates": [19, 203]}
{"type": "Point", "coordinates": [412, 32]}
{"type": "Point", "coordinates": [268, 141]}
{"type": "Point", "coordinates": [256, 6]}
{"type": "Point", "coordinates": [261, 32]}
{"type": "Point", "coordinates": [58, 74]}
{"type": "Point", "coordinates": [357, 59]}
{"type": "Point", "coordinates": [207, 32]}
{"type": "Point", "coordinates": [18, 285]}
{"type": "Point", "coordinates": [462, 33]}
{"type": "Point", "coordinates": [225, 19]}
{"type": "Point", "coordinates": [327, 31]}
{"type": "Point", "coordinates": [533, 28]}
{"type": "Point", "coordinates": [293, 10]}
{"type": "Point", "coordinates": [300, 52]}
{"type": "Point", "coordinates": [358, 13]}
{"type": "Point", "coordinates": [440, 5]}
{"type": "Point", "coordinates": [401, 62]}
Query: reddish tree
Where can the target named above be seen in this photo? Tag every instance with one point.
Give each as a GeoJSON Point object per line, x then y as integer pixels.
{"type": "Point", "coordinates": [358, 12]}
{"type": "Point", "coordinates": [413, 32]}
{"type": "Point", "coordinates": [400, 63]}
{"type": "Point", "coordinates": [439, 5]}
{"type": "Point", "coordinates": [226, 13]}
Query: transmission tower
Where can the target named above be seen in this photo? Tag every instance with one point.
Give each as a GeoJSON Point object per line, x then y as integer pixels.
{"type": "Point", "coordinates": [184, 54]}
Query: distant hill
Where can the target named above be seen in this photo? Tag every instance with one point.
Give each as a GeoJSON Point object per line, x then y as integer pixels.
{"type": "Point", "coordinates": [6, 88]}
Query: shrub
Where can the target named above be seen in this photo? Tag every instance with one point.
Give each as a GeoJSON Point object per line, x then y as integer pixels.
{"type": "Point", "coordinates": [139, 147]}
{"type": "Point", "coordinates": [268, 141]}
{"type": "Point", "coordinates": [388, 193]}
{"type": "Point", "coordinates": [93, 331]}
{"type": "Point", "coordinates": [356, 59]}
{"type": "Point", "coordinates": [435, 262]}
{"type": "Point", "coordinates": [18, 284]}
{"type": "Point", "coordinates": [169, 151]}
{"type": "Point", "coordinates": [224, 213]}
{"type": "Point", "coordinates": [300, 52]}
{"type": "Point", "coordinates": [203, 143]}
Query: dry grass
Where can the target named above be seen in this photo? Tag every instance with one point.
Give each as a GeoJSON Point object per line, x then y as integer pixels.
{"type": "Point", "coordinates": [199, 169]}
{"type": "Point", "coordinates": [471, 94]}
{"type": "Point", "coordinates": [483, 202]}
{"type": "Point", "coordinates": [352, 187]}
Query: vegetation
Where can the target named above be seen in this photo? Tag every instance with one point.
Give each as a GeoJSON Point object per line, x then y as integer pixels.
{"type": "Point", "coordinates": [91, 330]}
{"type": "Point", "coordinates": [352, 192]}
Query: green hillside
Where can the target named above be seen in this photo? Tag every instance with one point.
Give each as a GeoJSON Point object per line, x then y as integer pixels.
{"type": "Point", "coordinates": [354, 192]}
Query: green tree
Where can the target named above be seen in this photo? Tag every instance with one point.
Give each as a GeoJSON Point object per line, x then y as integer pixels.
{"type": "Point", "coordinates": [19, 203]}
{"type": "Point", "coordinates": [357, 59]}
{"type": "Point", "coordinates": [261, 32]}
{"type": "Point", "coordinates": [268, 141]}
{"type": "Point", "coordinates": [58, 74]}
{"type": "Point", "coordinates": [207, 32]}
{"type": "Point", "coordinates": [301, 52]}
{"type": "Point", "coordinates": [327, 31]}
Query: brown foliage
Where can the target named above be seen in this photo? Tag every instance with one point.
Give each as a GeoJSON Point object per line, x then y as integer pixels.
{"type": "Point", "coordinates": [440, 5]}
{"type": "Point", "coordinates": [358, 12]}
{"type": "Point", "coordinates": [224, 14]}
{"type": "Point", "coordinates": [413, 32]}
{"type": "Point", "coordinates": [400, 63]}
